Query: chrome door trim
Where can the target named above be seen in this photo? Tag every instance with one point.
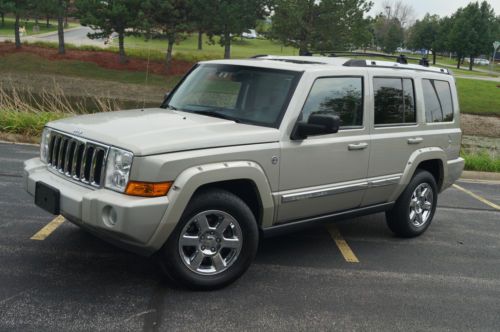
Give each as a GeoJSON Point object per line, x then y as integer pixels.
{"type": "Point", "coordinates": [341, 188]}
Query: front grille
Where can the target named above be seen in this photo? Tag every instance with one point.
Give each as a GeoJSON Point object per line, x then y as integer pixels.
{"type": "Point", "coordinates": [77, 159]}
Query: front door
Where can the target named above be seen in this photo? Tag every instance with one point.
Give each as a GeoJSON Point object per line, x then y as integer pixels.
{"type": "Point", "coordinates": [324, 174]}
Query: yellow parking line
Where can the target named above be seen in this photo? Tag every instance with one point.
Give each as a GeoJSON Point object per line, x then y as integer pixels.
{"type": "Point", "coordinates": [48, 229]}
{"type": "Point", "coordinates": [476, 196]}
{"type": "Point", "coordinates": [344, 248]}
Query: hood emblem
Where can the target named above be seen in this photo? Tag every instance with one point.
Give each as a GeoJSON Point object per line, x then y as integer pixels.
{"type": "Point", "coordinates": [78, 132]}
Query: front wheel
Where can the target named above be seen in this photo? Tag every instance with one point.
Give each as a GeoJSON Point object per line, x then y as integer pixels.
{"type": "Point", "coordinates": [213, 244]}
{"type": "Point", "coordinates": [413, 212]}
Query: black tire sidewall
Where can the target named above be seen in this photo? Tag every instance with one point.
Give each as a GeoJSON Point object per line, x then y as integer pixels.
{"type": "Point", "coordinates": [398, 218]}
{"type": "Point", "coordinates": [214, 199]}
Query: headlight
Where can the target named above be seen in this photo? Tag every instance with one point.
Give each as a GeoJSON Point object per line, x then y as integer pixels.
{"type": "Point", "coordinates": [118, 169]}
{"type": "Point", "coordinates": [44, 145]}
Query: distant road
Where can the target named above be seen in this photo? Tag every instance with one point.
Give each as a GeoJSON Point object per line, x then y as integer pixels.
{"type": "Point", "coordinates": [76, 36]}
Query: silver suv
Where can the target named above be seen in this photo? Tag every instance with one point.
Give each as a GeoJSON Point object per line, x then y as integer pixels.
{"type": "Point", "coordinates": [246, 148]}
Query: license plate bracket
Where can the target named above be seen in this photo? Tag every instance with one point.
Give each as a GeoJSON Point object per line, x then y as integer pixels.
{"type": "Point", "coordinates": [48, 198]}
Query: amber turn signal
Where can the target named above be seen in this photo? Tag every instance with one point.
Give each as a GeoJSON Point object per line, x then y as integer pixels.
{"type": "Point", "coordinates": [148, 189]}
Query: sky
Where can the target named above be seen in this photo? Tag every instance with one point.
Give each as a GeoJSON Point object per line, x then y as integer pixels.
{"type": "Point", "coordinates": [440, 7]}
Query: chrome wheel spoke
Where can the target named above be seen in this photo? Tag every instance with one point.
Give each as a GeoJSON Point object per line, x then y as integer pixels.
{"type": "Point", "coordinates": [427, 206]}
{"type": "Point", "coordinates": [233, 243]}
{"type": "Point", "coordinates": [218, 262]}
{"type": "Point", "coordinates": [223, 224]}
{"type": "Point", "coordinates": [203, 225]}
{"type": "Point", "coordinates": [197, 259]}
{"type": "Point", "coordinates": [190, 240]}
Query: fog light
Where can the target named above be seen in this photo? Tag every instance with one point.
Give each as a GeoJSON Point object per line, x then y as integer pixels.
{"type": "Point", "coordinates": [109, 216]}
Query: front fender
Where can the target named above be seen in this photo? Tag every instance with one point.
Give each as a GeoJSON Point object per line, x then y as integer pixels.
{"type": "Point", "coordinates": [415, 159]}
{"type": "Point", "coordinates": [193, 178]}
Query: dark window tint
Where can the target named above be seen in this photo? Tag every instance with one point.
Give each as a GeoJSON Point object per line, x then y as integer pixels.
{"type": "Point", "coordinates": [342, 96]}
{"type": "Point", "coordinates": [394, 101]}
{"type": "Point", "coordinates": [438, 101]}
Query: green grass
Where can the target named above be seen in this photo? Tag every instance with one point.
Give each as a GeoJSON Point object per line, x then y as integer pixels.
{"type": "Point", "coordinates": [7, 30]}
{"type": "Point", "coordinates": [24, 123]}
{"type": "Point", "coordinates": [479, 97]}
{"type": "Point", "coordinates": [240, 48]}
{"type": "Point", "coordinates": [30, 63]}
{"type": "Point", "coordinates": [481, 161]}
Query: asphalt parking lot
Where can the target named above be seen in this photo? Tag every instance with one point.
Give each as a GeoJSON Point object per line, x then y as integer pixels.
{"type": "Point", "coordinates": [446, 280]}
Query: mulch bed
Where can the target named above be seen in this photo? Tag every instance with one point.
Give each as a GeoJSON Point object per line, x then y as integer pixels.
{"type": "Point", "coordinates": [108, 60]}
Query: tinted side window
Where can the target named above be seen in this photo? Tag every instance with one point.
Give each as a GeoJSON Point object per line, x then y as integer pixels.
{"type": "Point", "coordinates": [394, 101]}
{"type": "Point", "coordinates": [438, 101]}
{"type": "Point", "coordinates": [342, 96]}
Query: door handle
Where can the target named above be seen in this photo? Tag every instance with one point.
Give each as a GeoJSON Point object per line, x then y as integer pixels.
{"type": "Point", "coordinates": [416, 140]}
{"type": "Point", "coordinates": [358, 146]}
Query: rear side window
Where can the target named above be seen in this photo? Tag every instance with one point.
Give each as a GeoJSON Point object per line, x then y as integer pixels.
{"type": "Point", "coordinates": [437, 100]}
{"type": "Point", "coordinates": [394, 101]}
{"type": "Point", "coordinates": [342, 96]}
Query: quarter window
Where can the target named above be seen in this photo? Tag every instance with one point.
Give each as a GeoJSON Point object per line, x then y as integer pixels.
{"type": "Point", "coordinates": [342, 96]}
{"type": "Point", "coordinates": [394, 101]}
{"type": "Point", "coordinates": [438, 101]}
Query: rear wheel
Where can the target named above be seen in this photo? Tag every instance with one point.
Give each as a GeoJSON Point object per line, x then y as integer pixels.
{"type": "Point", "coordinates": [213, 244]}
{"type": "Point", "coordinates": [413, 212]}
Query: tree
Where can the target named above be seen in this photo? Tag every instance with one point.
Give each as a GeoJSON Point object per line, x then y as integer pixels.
{"type": "Point", "coordinates": [199, 19]}
{"type": "Point", "coordinates": [228, 18]}
{"type": "Point", "coordinates": [5, 7]}
{"type": "Point", "coordinates": [168, 18]}
{"type": "Point", "coordinates": [61, 10]}
{"type": "Point", "coordinates": [425, 34]}
{"type": "Point", "coordinates": [389, 33]}
{"type": "Point", "coordinates": [403, 12]}
{"type": "Point", "coordinates": [45, 9]}
{"type": "Point", "coordinates": [320, 25]}
{"type": "Point", "coordinates": [107, 17]}
{"type": "Point", "coordinates": [19, 8]}
{"type": "Point", "coordinates": [472, 31]}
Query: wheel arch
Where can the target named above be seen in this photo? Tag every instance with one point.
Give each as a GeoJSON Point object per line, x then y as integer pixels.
{"type": "Point", "coordinates": [431, 159]}
{"type": "Point", "coordinates": [238, 177]}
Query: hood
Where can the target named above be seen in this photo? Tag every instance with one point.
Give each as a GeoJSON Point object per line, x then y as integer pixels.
{"type": "Point", "coordinates": [157, 130]}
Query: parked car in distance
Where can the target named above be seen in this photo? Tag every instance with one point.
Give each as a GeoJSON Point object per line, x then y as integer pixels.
{"type": "Point", "coordinates": [250, 34]}
{"type": "Point", "coordinates": [242, 149]}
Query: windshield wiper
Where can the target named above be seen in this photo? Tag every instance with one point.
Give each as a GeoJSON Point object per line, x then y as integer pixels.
{"type": "Point", "coordinates": [217, 115]}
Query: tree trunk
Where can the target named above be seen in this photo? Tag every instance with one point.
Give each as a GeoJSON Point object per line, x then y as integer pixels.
{"type": "Point", "coordinates": [433, 57]}
{"type": "Point", "coordinates": [459, 61]}
{"type": "Point", "coordinates": [60, 30]}
{"type": "Point", "coordinates": [227, 44]}
{"type": "Point", "coordinates": [200, 40]}
{"type": "Point", "coordinates": [48, 22]}
{"type": "Point", "coordinates": [3, 18]}
{"type": "Point", "coordinates": [16, 32]}
{"type": "Point", "coordinates": [170, 47]}
{"type": "Point", "coordinates": [121, 45]}
{"type": "Point", "coordinates": [471, 62]}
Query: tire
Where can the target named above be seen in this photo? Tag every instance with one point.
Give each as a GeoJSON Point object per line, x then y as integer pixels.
{"type": "Point", "coordinates": [214, 243]}
{"type": "Point", "coordinates": [413, 212]}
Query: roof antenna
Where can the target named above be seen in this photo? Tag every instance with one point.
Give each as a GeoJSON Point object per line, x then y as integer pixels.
{"type": "Point", "coordinates": [402, 59]}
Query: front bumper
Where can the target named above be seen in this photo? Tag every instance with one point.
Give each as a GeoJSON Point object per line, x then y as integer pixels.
{"type": "Point", "coordinates": [136, 218]}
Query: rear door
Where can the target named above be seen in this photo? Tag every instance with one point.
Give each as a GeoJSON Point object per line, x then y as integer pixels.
{"type": "Point", "coordinates": [395, 134]}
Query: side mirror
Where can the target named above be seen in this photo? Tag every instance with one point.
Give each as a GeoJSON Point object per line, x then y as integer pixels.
{"type": "Point", "coordinates": [318, 124]}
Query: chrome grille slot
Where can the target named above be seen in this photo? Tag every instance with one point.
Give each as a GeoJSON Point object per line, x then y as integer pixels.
{"type": "Point", "coordinates": [77, 159]}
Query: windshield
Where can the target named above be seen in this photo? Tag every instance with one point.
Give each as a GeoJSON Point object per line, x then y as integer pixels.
{"type": "Point", "coordinates": [243, 94]}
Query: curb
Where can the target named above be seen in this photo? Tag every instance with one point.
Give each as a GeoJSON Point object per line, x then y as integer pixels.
{"type": "Point", "coordinates": [484, 176]}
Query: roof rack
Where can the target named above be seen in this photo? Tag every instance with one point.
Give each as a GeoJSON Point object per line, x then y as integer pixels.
{"type": "Point", "coordinates": [400, 63]}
